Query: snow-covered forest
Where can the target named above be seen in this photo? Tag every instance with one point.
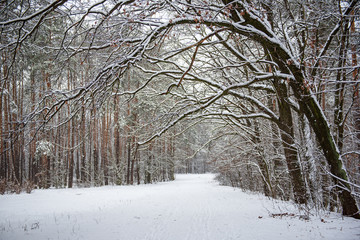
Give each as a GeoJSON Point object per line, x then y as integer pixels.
{"type": "Point", "coordinates": [265, 93]}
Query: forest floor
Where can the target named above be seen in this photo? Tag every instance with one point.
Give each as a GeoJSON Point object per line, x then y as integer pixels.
{"type": "Point", "coordinates": [191, 207]}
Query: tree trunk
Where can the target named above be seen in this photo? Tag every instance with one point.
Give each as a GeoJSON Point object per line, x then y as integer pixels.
{"type": "Point", "coordinates": [287, 136]}
{"type": "Point", "coordinates": [6, 135]}
{"type": "Point", "coordinates": [70, 139]}
{"type": "Point", "coordinates": [117, 142]}
{"type": "Point", "coordinates": [132, 164]}
{"type": "Point", "coordinates": [15, 158]}
{"type": "Point", "coordinates": [83, 147]}
{"type": "Point", "coordinates": [32, 145]}
{"type": "Point", "coordinates": [339, 89]}
{"type": "Point", "coordinates": [171, 151]}
{"type": "Point", "coordinates": [137, 156]}
{"type": "Point", "coordinates": [128, 161]}
{"type": "Point", "coordinates": [71, 145]}
{"type": "Point", "coordinates": [104, 146]}
{"type": "Point", "coordinates": [95, 147]}
{"type": "Point", "coordinates": [22, 136]}
{"type": "Point", "coordinates": [148, 164]}
{"type": "Point", "coordinates": [2, 140]}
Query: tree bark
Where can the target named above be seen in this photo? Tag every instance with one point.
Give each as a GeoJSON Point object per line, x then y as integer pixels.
{"type": "Point", "coordinates": [95, 148]}
{"type": "Point", "coordinates": [287, 136]}
{"type": "Point", "coordinates": [2, 141]}
{"type": "Point", "coordinates": [70, 139]}
{"type": "Point", "coordinates": [132, 163]}
{"type": "Point", "coordinates": [340, 88]}
{"type": "Point", "coordinates": [83, 177]}
{"type": "Point", "coordinates": [104, 146]}
{"type": "Point", "coordinates": [128, 161]}
{"type": "Point", "coordinates": [117, 142]}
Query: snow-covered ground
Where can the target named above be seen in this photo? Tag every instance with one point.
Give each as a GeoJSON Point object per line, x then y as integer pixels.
{"type": "Point", "coordinates": [191, 207]}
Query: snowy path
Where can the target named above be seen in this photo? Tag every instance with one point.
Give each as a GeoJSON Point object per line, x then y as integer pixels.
{"type": "Point", "coordinates": [192, 207]}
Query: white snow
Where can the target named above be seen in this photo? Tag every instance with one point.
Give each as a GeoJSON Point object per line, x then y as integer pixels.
{"type": "Point", "coordinates": [191, 207]}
